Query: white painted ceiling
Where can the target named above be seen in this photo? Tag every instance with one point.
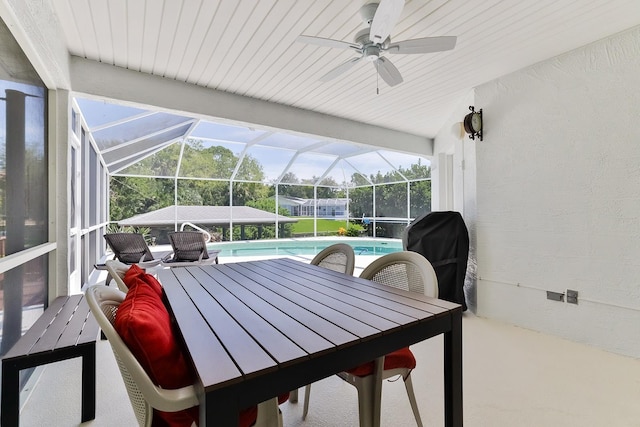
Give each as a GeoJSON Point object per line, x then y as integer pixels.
{"type": "Point", "coordinates": [249, 48]}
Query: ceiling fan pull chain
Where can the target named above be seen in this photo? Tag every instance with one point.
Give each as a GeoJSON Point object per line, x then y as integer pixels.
{"type": "Point", "coordinates": [377, 79]}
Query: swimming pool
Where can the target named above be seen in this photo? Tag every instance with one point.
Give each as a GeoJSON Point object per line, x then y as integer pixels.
{"type": "Point", "coordinates": [305, 246]}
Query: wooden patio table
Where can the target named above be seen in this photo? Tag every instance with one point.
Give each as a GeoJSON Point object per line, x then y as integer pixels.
{"type": "Point", "coordinates": [257, 329]}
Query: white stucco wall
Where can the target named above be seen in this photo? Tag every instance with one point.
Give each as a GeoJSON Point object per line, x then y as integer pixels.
{"type": "Point", "coordinates": [558, 195]}
{"type": "Point", "coordinates": [453, 172]}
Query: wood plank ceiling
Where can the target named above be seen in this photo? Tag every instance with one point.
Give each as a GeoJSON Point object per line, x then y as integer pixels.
{"type": "Point", "coordinates": [249, 48]}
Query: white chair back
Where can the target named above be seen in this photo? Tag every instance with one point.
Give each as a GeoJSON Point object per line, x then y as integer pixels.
{"type": "Point", "coordinates": [117, 270]}
{"type": "Point", "coordinates": [404, 270]}
{"type": "Point", "coordinates": [338, 257]}
{"type": "Point", "coordinates": [144, 395]}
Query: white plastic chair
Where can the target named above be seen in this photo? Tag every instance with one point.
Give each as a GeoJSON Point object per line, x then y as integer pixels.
{"type": "Point", "coordinates": [405, 270]}
{"type": "Point", "coordinates": [144, 395]}
{"type": "Point", "coordinates": [116, 271]}
{"type": "Point", "coordinates": [338, 257]}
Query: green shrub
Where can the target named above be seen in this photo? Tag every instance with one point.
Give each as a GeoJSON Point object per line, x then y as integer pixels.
{"type": "Point", "coordinates": [354, 230]}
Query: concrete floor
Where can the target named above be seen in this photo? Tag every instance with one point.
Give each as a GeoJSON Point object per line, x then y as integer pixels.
{"type": "Point", "coordinates": [513, 377]}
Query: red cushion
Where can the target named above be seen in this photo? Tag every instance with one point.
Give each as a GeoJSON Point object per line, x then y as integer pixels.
{"type": "Point", "coordinates": [402, 358]}
{"type": "Point", "coordinates": [136, 272]}
{"type": "Point", "coordinates": [143, 323]}
{"type": "Point", "coordinates": [248, 417]}
{"type": "Point", "coordinates": [283, 398]}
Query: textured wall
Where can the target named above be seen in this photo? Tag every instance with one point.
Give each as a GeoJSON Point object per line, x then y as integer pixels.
{"type": "Point", "coordinates": [452, 141]}
{"type": "Point", "coordinates": [558, 195]}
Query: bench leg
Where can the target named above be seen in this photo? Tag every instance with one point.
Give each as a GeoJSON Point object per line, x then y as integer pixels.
{"type": "Point", "coordinates": [10, 407]}
{"type": "Point", "coordinates": [89, 382]}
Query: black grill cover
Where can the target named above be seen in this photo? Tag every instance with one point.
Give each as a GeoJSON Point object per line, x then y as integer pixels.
{"type": "Point", "coordinates": [443, 239]}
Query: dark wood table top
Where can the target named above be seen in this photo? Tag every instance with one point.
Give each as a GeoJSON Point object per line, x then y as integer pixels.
{"type": "Point", "coordinates": [260, 328]}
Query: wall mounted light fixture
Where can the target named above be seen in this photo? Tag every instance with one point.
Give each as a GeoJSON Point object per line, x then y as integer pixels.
{"type": "Point", "coordinates": [473, 123]}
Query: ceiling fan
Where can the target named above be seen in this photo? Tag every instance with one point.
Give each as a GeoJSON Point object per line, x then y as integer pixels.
{"type": "Point", "coordinates": [373, 42]}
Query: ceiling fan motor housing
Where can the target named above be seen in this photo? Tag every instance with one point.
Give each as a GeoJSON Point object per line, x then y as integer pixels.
{"type": "Point", "coordinates": [371, 53]}
{"type": "Point", "coordinates": [362, 38]}
{"type": "Point", "coordinates": [374, 42]}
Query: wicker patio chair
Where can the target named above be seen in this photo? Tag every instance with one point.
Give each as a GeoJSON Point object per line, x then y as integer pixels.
{"type": "Point", "coordinates": [189, 248]}
{"type": "Point", "coordinates": [131, 248]}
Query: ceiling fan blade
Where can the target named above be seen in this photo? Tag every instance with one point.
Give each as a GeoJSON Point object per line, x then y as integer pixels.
{"type": "Point", "coordinates": [424, 45]}
{"type": "Point", "coordinates": [388, 71]}
{"type": "Point", "coordinates": [327, 42]}
{"type": "Point", "coordinates": [342, 68]}
{"type": "Point", "coordinates": [385, 19]}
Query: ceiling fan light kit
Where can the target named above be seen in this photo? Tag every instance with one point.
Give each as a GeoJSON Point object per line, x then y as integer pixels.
{"type": "Point", "coordinates": [473, 123]}
{"type": "Point", "coordinates": [373, 42]}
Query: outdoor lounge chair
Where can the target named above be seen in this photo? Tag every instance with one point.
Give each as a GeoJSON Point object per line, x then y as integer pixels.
{"type": "Point", "coordinates": [404, 270]}
{"type": "Point", "coordinates": [189, 248]}
{"type": "Point", "coordinates": [131, 248]}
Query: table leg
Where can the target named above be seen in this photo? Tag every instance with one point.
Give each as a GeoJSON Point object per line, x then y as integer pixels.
{"type": "Point", "coordinates": [453, 372]}
{"type": "Point", "coordinates": [218, 410]}
{"type": "Point", "coordinates": [89, 383]}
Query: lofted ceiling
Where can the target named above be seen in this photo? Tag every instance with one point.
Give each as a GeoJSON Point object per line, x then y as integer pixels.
{"type": "Point", "coordinates": [249, 48]}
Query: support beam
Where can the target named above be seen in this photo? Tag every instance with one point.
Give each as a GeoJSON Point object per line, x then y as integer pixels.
{"type": "Point", "coordinates": [107, 81]}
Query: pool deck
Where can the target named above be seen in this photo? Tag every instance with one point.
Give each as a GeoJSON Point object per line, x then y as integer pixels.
{"type": "Point", "coordinates": [362, 261]}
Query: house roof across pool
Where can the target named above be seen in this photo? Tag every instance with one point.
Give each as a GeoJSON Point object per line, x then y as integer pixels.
{"type": "Point", "coordinates": [205, 215]}
{"type": "Point", "coordinates": [311, 202]}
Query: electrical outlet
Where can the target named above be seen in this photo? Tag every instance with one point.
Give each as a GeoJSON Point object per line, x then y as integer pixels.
{"type": "Point", "coordinates": [572, 296]}
{"type": "Point", "coordinates": [555, 296]}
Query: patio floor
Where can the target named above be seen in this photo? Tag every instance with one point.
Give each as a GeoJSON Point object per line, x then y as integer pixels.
{"type": "Point", "coordinates": [512, 377]}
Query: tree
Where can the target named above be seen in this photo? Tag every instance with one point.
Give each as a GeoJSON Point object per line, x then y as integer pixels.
{"type": "Point", "coordinates": [268, 231]}
{"type": "Point", "coordinates": [361, 202]}
{"type": "Point", "coordinates": [204, 180]}
{"type": "Point", "coordinates": [391, 199]}
{"type": "Point", "coordinates": [134, 195]}
{"type": "Point", "coordinates": [420, 198]}
{"type": "Point", "coordinates": [246, 192]}
{"type": "Point", "coordinates": [329, 189]}
{"type": "Point", "coordinates": [291, 190]}
{"type": "Point", "coordinates": [162, 163]}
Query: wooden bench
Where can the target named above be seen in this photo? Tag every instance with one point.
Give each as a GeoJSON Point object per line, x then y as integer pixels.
{"type": "Point", "coordinates": [66, 329]}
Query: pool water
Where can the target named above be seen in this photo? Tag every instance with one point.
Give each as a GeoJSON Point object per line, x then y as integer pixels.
{"type": "Point", "coordinates": [311, 246]}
